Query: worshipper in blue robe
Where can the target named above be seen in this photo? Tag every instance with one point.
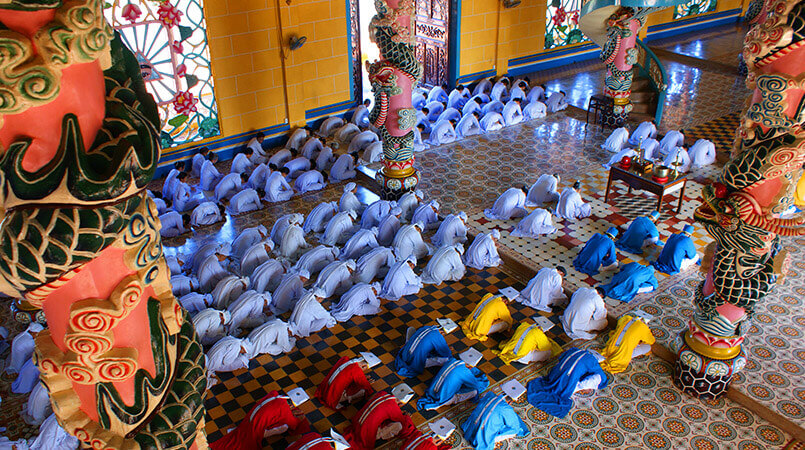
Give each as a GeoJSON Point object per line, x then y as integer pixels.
{"type": "Point", "coordinates": [27, 378]}
{"type": "Point", "coordinates": [598, 252]}
{"type": "Point", "coordinates": [641, 232]}
{"type": "Point", "coordinates": [702, 153]}
{"type": "Point", "coordinates": [491, 421]}
{"type": "Point", "coordinates": [442, 133]}
{"type": "Point", "coordinates": [633, 278]}
{"type": "Point", "coordinates": [210, 176]}
{"type": "Point", "coordinates": [449, 114]}
{"type": "Point", "coordinates": [174, 224]}
{"type": "Point", "coordinates": [494, 106]}
{"type": "Point", "coordinates": [343, 168]}
{"type": "Point", "coordinates": [242, 162]}
{"type": "Point", "coordinates": [576, 370]}
{"type": "Point", "coordinates": [617, 140]}
{"type": "Point", "coordinates": [556, 102]}
{"type": "Point", "coordinates": [454, 383]}
{"type": "Point", "coordinates": [425, 347]}
{"type": "Point", "coordinates": [316, 221]}
{"type": "Point", "coordinates": [678, 253]}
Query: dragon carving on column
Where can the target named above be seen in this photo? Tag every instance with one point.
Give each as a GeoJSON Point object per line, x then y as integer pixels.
{"type": "Point", "coordinates": [745, 210]}
{"type": "Point", "coordinates": [393, 78]}
{"type": "Point", "coordinates": [79, 141]}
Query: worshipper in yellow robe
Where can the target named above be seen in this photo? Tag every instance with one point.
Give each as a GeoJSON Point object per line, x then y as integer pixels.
{"type": "Point", "coordinates": [632, 337]}
{"type": "Point", "coordinates": [799, 197]}
{"type": "Point", "coordinates": [528, 344]}
{"type": "Point", "coordinates": [490, 316]}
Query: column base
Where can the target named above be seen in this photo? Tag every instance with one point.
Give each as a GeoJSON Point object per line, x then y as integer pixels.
{"type": "Point", "coordinates": [392, 188]}
{"type": "Point", "coordinates": [703, 376]}
{"type": "Point", "coordinates": [24, 313]}
{"type": "Point", "coordinates": [615, 116]}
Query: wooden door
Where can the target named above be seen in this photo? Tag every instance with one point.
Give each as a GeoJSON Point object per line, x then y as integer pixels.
{"type": "Point", "coordinates": [432, 25]}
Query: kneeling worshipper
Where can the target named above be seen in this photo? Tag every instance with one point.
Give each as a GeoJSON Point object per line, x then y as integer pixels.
{"type": "Point", "coordinates": [492, 121]}
{"type": "Point", "coordinates": [492, 421]}
{"type": "Point", "coordinates": [317, 219]}
{"type": "Point", "coordinates": [359, 244]}
{"type": "Point", "coordinates": [618, 157]}
{"type": "Point", "coordinates": [469, 125]}
{"type": "Point", "coordinates": [210, 176]}
{"type": "Point", "coordinates": [678, 253]}
{"type": "Point", "coordinates": [641, 232]}
{"type": "Point", "coordinates": [246, 238]}
{"type": "Point", "coordinates": [427, 214]}
{"type": "Point", "coordinates": [257, 254]}
{"type": "Point", "coordinates": [290, 289]}
{"type": "Point", "coordinates": [375, 212]}
{"type": "Point", "coordinates": [300, 135]}
{"type": "Point", "coordinates": [646, 130]}
{"type": "Point", "coordinates": [279, 227]}
{"type": "Point", "coordinates": [679, 159]}
{"type": "Point", "coordinates": [483, 251]}
{"type": "Point", "coordinates": [424, 347]}
{"type": "Point", "coordinates": [454, 384]}
{"type": "Point", "coordinates": [37, 408]}
{"type": "Point", "coordinates": [570, 205]}
{"type": "Point", "coordinates": [277, 187]}
{"type": "Point", "coordinates": [389, 226]}
{"type": "Point", "coordinates": [449, 114]}
{"type": "Point", "coordinates": [372, 153]}
{"type": "Point", "coordinates": [242, 162]}
{"type": "Point", "coordinates": [545, 289]}
{"type": "Point", "coordinates": [380, 419]}
{"type": "Point", "coordinates": [490, 316]}
{"type": "Point", "coordinates": [325, 159]}
{"type": "Point", "coordinates": [229, 186]}
{"type": "Point", "coordinates": [409, 202]}
{"type": "Point", "coordinates": [401, 280]}
{"type": "Point", "coordinates": [556, 102]}
{"type": "Point", "coordinates": [309, 316]}
{"type": "Point", "coordinates": [617, 140]}
{"type": "Point", "coordinates": [598, 253]}
{"type": "Point", "coordinates": [345, 383]}
{"type": "Point", "coordinates": [335, 279]}
{"type": "Point", "coordinates": [210, 325]}
{"type": "Point", "coordinates": [273, 337]}
{"type": "Point", "coordinates": [211, 272]}
{"type": "Point", "coordinates": [338, 229]}
{"type": "Point", "coordinates": [671, 140]}
{"type": "Point", "coordinates": [280, 157]}
{"type": "Point", "coordinates": [631, 338]}
{"type": "Point", "coordinates": [313, 440]}
{"type": "Point", "coordinates": [535, 110]}
{"type": "Point", "coordinates": [702, 153]}
{"type": "Point", "coordinates": [297, 166]}
{"type": "Point", "coordinates": [174, 224]}
{"type": "Point", "coordinates": [347, 132]}
{"type": "Point", "coordinates": [361, 141]}
{"type": "Point", "coordinates": [633, 278]}
{"type": "Point", "coordinates": [360, 300]}
{"type": "Point", "coordinates": [248, 311]}
{"type": "Point", "coordinates": [495, 106]}
{"type": "Point", "coordinates": [182, 284]}
{"type": "Point", "coordinates": [374, 264]}
{"type": "Point", "coordinates": [408, 242]}
{"type": "Point", "coordinates": [52, 437]}
{"type": "Point", "coordinates": [316, 259]}
{"type": "Point", "coordinates": [343, 168]}
{"type": "Point", "coordinates": [245, 201]}
{"type": "Point", "coordinates": [419, 144]}
{"type": "Point", "coordinates": [576, 370]}
{"type": "Point", "coordinates": [442, 133]}
{"type": "Point", "coordinates": [22, 347]}
{"type": "Point", "coordinates": [537, 223]}
{"type": "Point", "coordinates": [452, 231]}
{"type": "Point", "coordinates": [512, 113]}
{"type": "Point", "coordinates": [185, 197]}
{"type": "Point", "coordinates": [510, 204]}
{"type": "Point", "coordinates": [543, 191]}
{"type": "Point", "coordinates": [585, 314]}
{"type": "Point", "coordinates": [228, 290]}
{"type": "Point", "coordinates": [206, 213]}
{"type": "Point", "coordinates": [349, 201]}
{"type": "Point", "coordinates": [308, 181]}
{"type": "Point", "coordinates": [266, 277]}
{"type": "Point", "coordinates": [271, 416]}
{"type": "Point", "coordinates": [229, 354]}
{"type": "Point", "coordinates": [445, 265]}
{"type": "Point", "coordinates": [26, 380]}
{"type": "Point", "coordinates": [360, 116]}
{"type": "Point", "coordinates": [529, 344]}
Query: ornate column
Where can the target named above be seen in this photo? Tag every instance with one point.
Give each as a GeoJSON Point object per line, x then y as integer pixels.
{"type": "Point", "coordinates": [393, 78]}
{"type": "Point", "coordinates": [742, 210]}
{"type": "Point", "coordinates": [79, 237]}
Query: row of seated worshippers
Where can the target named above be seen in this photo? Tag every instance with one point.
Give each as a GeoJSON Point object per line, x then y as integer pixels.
{"type": "Point", "coordinates": [490, 107]}
{"type": "Point", "coordinates": [670, 151]}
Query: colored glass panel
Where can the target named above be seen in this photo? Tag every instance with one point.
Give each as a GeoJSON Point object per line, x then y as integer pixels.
{"type": "Point", "coordinates": [562, 23]}
{"type": "Point", "coordinates": [694, 7]}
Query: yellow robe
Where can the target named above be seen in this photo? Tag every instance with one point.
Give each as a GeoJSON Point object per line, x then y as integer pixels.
{"type": "Point", "coordinates": [489, 310]}
{"type": "Point", "coordinates": [629, 333]}
{"type": "Point", "coordinates": [530, 338]}
{"type": "Point", "coordinates": [799, 196]}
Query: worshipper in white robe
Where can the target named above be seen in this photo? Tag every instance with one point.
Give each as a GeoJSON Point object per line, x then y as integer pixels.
{"type": "Point", "coordinates": [493, 106]}
{"type": "Point", "coordinates": [347, 132]}
{"type": "Point", "coordinates": [537, 223]}
{"type": "Point", "coordinates": [646, 130]}
{"type": "Point", "coordinates": [544, 290]}
{"type": "Point", "coordinates": [184, 196]}
{"type": "Point", "coordinates": [418, 100]}
{"type": "Point", "coordinates": [362, 140]}
{"type": "Point", "coordinates": [210, 325]}
{"type": "Point", "coordinates": [312, 148]}
{"type": "Point", "coordinates": [259, 155]}
{"type": "Point", "coordinates": [427, 214]}
{"type": "Point", "coordinates": [445, 265]}
{"type": "Point", "coordinates": [256, 255]}
{"type": "Point", "coordinates": [19, 444]}
{"type": "Point", "coordinates": [242, 162]}
{"type": "Point", "coordinates": [492, 121]}
{"type": "Point", "coordinates": [335, 279]}
{"type": "Point", "coordinates": [298, 137]}
{"type": "Point", "coordinates": [457, 98]}
{"type": "Point", "coordinates": [536, 94]}
{"type": "Point", "coordinates": [228, 186]}
{"type": "Point", "coordinates": [473, 105]}
{"type": "Point", "coordinates": [210, 176]}
{"type": "Point", "coordinates": [650, 149]}
{"type": "Point", "coordinates": [671, 140]}
{"type": "Point", "coordinates": [228, 290]}
{"type": "Point", "coordinates": [442, 133]}
{"type": "Point", "coordinates": [363, 241]}
{"type": "Point", "coordinates": [290, 289]}
{"type": "Point", "coordinates": [679, 159]}
{"type": "Point", "coordinates": [449, 114]}
{"type": "Point", "coordinates": [246, 239]}
{"type": "Point", "coordinates": [437, 94]}
{"type": "Point", "coordinates": [297, 166]}
{"type": "Point", "coordinates": [453, 230]}
{"type": "Point", "coordinates": [329, 126]}
{"type": "Point", "coordinates": [53, 437]}
{"type": "Point", "coordinates": [278, 230]}
{"type": "Point", "coordinates": [160, 204]}
{"type": "Point", "coordinates": [500, 90]}
{"type": "Point", "coordinates": [422, 119]}
{"type": "Point", "coordinates": [510, 204]}
{"type": "Point", "coordinates": [170, 182]}
{"type": "Point", "coordinates": [310, 181]}
{"type": "Point", "coordinates": [309, 316]}
{"type": "Point", "coordinates": [37, 408]}
{"type": "Point", "coordinates": [206, 249]}
{"type": "Point", "coordinates": [359, 300]}
{"type": "Point", "coordinates": [248, 311]}
{"type": "Point", "coordinates": [517, 92]}
{"type": "Point", "coordinates": [401, 280]}
{"type": "Point", "coordinates": [512, 112]}
{"type": "Point", "coordinates": [174, 224]}
{"type": "Point", "coordinates": [343, 168]}
{"type": "Point", "coordinates": [245, 201]}
{"type": "Point", "coordinates": [266, 277]}
{"type": "Point", "coordinates": [617, 140]}
{"type": "Point", "coordinates": [211, 272]}
{"type": "Point", "coordinates": [585, 314]}
{"type": "Point", "coordinates": [195, 302]}
{"type": "Point", "coordinates": [361, 115]}
{"type": "Point", "coordinates": [325, 159]}
{"type": "Point", "coordinates": [483, 86]}
{"type": "Point", "coordinates": [207, 213]}
{"type": "Point", "coordinates": [375, 212]}
{"type": "Point", "coordinates": [702, 153]}
{"type": "Point", "coordinates": [409, 202]}
{"type": "Point", "coordinates": [22, 347]}
{"type": "Point", "coordinates": [338, 229]}
{"type": "Point", "coordinates": [570, 205]}
{"type": "Point", "coordinates": [469, 125]}
{"type": "Point", "coordinates": [535, 110]}
{"type": "Point", "coordinates": [349, 201]}
{"type": "Point", "coordinates": [372, 153]}
{"type": "Point", "coordinates": [280, 157]}
{"type": "Point", "coordinates": [556, 102]}
{"type": "Point", "coordinates": [419, 144]}
{"type": "Point", "coordinates": [292, 243]}
{"type": "Point", "coordinates": [408, 242]}
{"type": "Point", "coordinates": [277, 187]}
{"type": "Point", "coordinates": [174, 264]}
{"type": "Point", "coordinates": [198, 161]}
{"type": "Point", "coordinates": [273, 337]}
{"type": "Point", "coordinates": [543, 191]}
{"type": "Point", "coordinates": [316, 259]}
{"type": "Point", "coordinates": [318, 217]}
{"type": "Point", "coordinates": [434, 109]}
{"type": "Point", "coordinates": [617, 157]}
{"type": "Point", "coordinates": [388, 227]}
{"type": "Point", "coordinates": [26, 380]}
{"type": "Point", "coordinates": [374, 264]}
{"type": "Point", "coordinates": [182, 284]}
{"type": "Point", "coordinates": [483, 251]}
{"type": "Point", "coordinates": [229, 354]}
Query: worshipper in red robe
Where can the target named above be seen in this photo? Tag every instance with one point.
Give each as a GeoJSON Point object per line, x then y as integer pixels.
{"type": "Point", "coordinates": [419, 441]}
{"type": "Point", "coordinates": [271, 416]}
{"type": "Point", "coordinates": [312, 441]}
{"type": "Point", "coordinates": [380, 418]}
{"type": "Point", "coordinates": [345, 383]}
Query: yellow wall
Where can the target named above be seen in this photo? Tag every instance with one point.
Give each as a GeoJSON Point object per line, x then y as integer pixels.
{"type": "Point", "coordinates": [479, 35]}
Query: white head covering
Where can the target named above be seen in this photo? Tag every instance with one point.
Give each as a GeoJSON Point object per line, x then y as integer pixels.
{"type": "Point", "coordinates": [350, 187]}
{"type": "Point", "coordinates": [34, 327]}
{"type": "Point", "coordinates": [434, 204]}
{"type": "Point", "coordinates": [411, 259]}
{"type": "Point", "coordinates": [495, 234]}
{"type": "Point", "coordinates": [227, 316]}
{"type": "Point", "coordinates": [419, 225]}
{"type": "Point", "coordinates": [225, 248]}
{"type": "Point", "coordinates": [462, 215]}
{"type": "Point", "coordinates": [373, 230]}
{"type": "Point", "coordinates": [318, 292]}
{"type": "Point", "coordinates": [396, 211]}
{"type": "Point", "coordinates": [419, 194]}
{"type": "Point", "coordinates": [296, 219]}
{"type": "Point", "coordinates": [459, 248]}
{"type": "Point", "coordinates": [352, 214]}
{"type": "Point", "coordinates": [376, 286]}
{"type": "Point", "coordinates": [262, 230]}
{"type": "Point", "coordinates": [350, 264]}
{"type": "Point", "coordinates": [303, 273]}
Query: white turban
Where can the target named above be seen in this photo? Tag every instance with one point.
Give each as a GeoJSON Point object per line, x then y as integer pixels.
{"type": "Point", "coordinates": [459, 248]}
{"type": "Point", "coordinates": [350, 264]}
{"type": "Point", "coordinates": [462, 215]}
{"type": "Point", "coordinates": [495, 234]}
{"type": "Point", "coordinates": [303, 273]}
{"type": "Point", "coordinates": [350, 187]}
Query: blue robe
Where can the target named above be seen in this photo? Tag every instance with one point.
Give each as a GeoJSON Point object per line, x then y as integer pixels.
{"type": "Point", "coordinates": [639, 230]}
{"type": "Point", "coordinates": [426, 342]}
{"type": "Point", "coordinates": [629, 280]}
{"type": "Point", "coordinates": [598, 251]}
{"type": "Point", "coordinates": [678, 248]}
{"type": "Point", "coordinates": [553, 392]}
{"type": "Point", "coordinates": [454, 378]}
{"type": "Point", "coordinates": [492, 417]}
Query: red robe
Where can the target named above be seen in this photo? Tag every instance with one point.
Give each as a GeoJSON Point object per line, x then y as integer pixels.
{"type": "Point", "coordinates": [270, 412]}
{"type": "Point", "coordinates": [419, 441]}
{"type": "Point", "coordinates": [345, 376]}
{"type": "Point", "coordinates": [379, 409]}
{"type": "Point", "coordinates": [312, 441]}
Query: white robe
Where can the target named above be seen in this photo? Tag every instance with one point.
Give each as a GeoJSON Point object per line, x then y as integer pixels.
{"type": "Point", "coordinates": [535, 110]}
{"type": "Point", "coordinates": [318, 217]}
{"type": "Point", "coordinates": [309, 316]}
{"type": "Point", "coordinates": [387, 229]}
{"type": "Point", "coordinates": [174, 264]}
{"type": "Point", "coordinates": [309, 181]}
{"type": "Point", "coordinates": [442, 133]}
{"type": "Point", "coordinates": [247, 311]}
{"type": "Point", "coordinates": [543, 191]}
{"type": "Point", "coordinates": [499, 91]}
{"type": "Point", "coordinates": [556, 102]}
{"type": "Point", "coordinates": [254, 256]}
{"type": "Point", "coordinates": [586, 313]}
{"type": "Point", "coordinates": [360, 300]}
{"type": "Point", "coordinates": [207, 249]}
{"type": "Point", "coordinates": [494, 106]}
{"type": "Point", "coordinates": [245, 201]}
{"type": "Point", "coordinates": [266, 277]}
{"type": "Point", "coordinates": [37, 408]}
{"type": "Point", "coordinates": [492, 121]}
{"type": "Point", "coordinates": [241, 164]}
{"type": "Point", "coordinates": [427, 214]}
{"type": "Point", "coordinates": [195, 302]}
{"type": "Point", "coordinates": [643, 131]}
{"type": "Point", "coordinates": [361, 116]}
{"type": "Point", "coordinates": [538, 222]}
{"type": "Point", "coordinates": [209, 176]}
{"type": "Point", "coordinates": [292, 243]}
{"type": "Point", "coordinates": [456, 99]}
{"type": "Point", "coordinates": [571, 206]}
{"type": "Point", "coordinates": [418, 100]}
{"type": "Point", "coordinates": [210, 325]}
{"type": "Point", "coordinates": [330, 125]}
{"type": "Point", "coordinates": [280, 157]}
{"type": "Point", "coordinates": [702, 153]}
{"type": "Point", "coordinates": [468, 126]}
{"type": "Point", "coordinates": [437, 94]}
{"type": "Point", "coordinates": [258, 177]}
{"type": "Point", "coordinates": [316, 259]}
{"type": "Point", "coordinates": [509, 205]}
{"type": "Point", "coordinates": [272, 337]}
{"type": "Point", "coordinates": [229, 354]}
{"type": "Point", "coordinates": [446, 265]}
{"type": "Point", "coordinates": [482, 253]}
{"type": "Point", "coordinates": [408, 242]}
{"type": "Point", "coordinates": [26, 380]}
{"type": "Point", "coordinates": [162, 207]}
{"type": "Point", "coordinates": [651, 149]}
{"type": "Point", "coordinates": [279, 227]}
{"type": "Point", "coordinates": [434, 110]}
{"type": "Point", "coordinates": [170, 183]}
{"type": "Point", "coordinates": [259, 155]}
{"type": "Point", "coordinates": [287, 293]}
{"type": "Point", "coordinates": [325, 159]}
{"type": "Point", "coordinates": [183, 197]}
{"type": "Point", "coordinates": [277, 188]}
{"type": "Point", "coordinates": [196, 163]}
{"type": "Point", "coordinates": [536, 94]}
{"type": "Point", "coordinates": [670, 141]}
{"type": "Point", "coordinates": [375, 212]}
{"type": "Point", "coordinates": [408, 203]}
{"type": "Point", "coordinates": [338, 229]}
{"type": "Point", "coordinates": [400, 281]}
{"type": "Point", "coordinates": [53, 437]}
{"type": "Point", "coordinates": [347, 132]}
{"type": "Point", "coordinates": [172, 224]}
{"type": "Point", "coordinates": [617, 140]}
{"type": "Point", "coordinates": [359, 244]}
{"type": "Point", "coordinates": [335, 279]}
{"type": "Point", "coordinates": [483, 86]}
{"type": "Point", "coordinates": [22, 349]}
{"type": "Point", "coordinates": [182, 284]}
{"type": "Point", "coordinates": [311, 148]}
{"type": "Point", "coordinates": [297, 166]}
{"type": "Point", "coordinates": [206, 213]}
{"type": "Point", "coordinates": [343, 169]}
{"type": "Point", "coordinates": [512, 113]}
{"type": "Point", "coordinates": [374, 264]}
{"type": "Point", "coordinates": [210, 273]}
{"type": "Point", "coordinates": [349, 202]}
{"type": "Point", "coordinates": [228, 289]}
{"type": "Point", "coordinates": [372, 153]}
{"type": "Point", "coordinates": [361, 141]}
{"type": "Point", "coordinates": [684, 159]}
{"type": "Point", "coordinates": [246, 239]}
{"type": "Point", "coordinates": [452, 231]}
{"type": "Point", "coordinates": [297, 139]}
{"type": "Point", "coordinates": [617, 157]}
{"type": "Point", "coordinates": [544, 290]}
{"type": "Point", "coordinates": [449, 114]}
{"type": "Point", "coordinates": [470, 107]}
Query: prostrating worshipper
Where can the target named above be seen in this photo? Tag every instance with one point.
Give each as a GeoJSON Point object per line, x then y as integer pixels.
{"type": "Point", "coordinates": [279, 227]}
{"type": "Point", "coordinates": [651, 149]}
{"type": "Point", "coordinates": [537, 223]}
{"type": "Point", "coordinates": [389, 226]}
{"type": "Point", "coordinates": [422, 119]}
{"type": "Point", "coordinates": [245, 201]}
{"type": "Point", "coordinates": [678, 158]}
{"type": "Point", "coordinates": [374, 264]}
{"type": "Point", "coordinates": [702, 153]}
{"type": "Point", "coordinates": [198, 160]}
{"type": "Point", "coordinates": [427, 214]}
{"type": "Point", "coordinates": [543, 191]}
{"type": "Point", "coordinates": [469, 125]}
{"type": "Point", "coordinates": [175, 263]}
{"type": "Point", "coordinates": [618, 157]}
{"type": "Point", "coordinates": [632, 338]}
{"type": "Point", "coordinates": [361, 141]}
{"type": "Point", "coordinates": [419, 144]}
{"type": "Point", "coordinates": [570, 205]}
{"type": "Point", "coordinates": [312, 147]}
{"type": "Point", "coordinates": [510, 204]}
{"type": "Point", "coordinates": [338, 229]}
{"type": "Point", "coordinates": [347, 132]}
{"type": "Point", "coordinates": [380, 419]}
{"type": "Point", "coordinates": [184, 196]}
{"type": "Point", "coordinates": [633, 278]}
{"type": "Point", "coordinates": [343, 168]}
{"type": "Point", "coordinates": [585, 314]}
{"type": "Point", "coordinates": [309, 316]}
{"type": "Point", "coordinates": [228, 290]}
{"type": "Point", "coordinates": [259, 155]}
{"type": "Point", "coordinates": [456, 99]}
{"type": "Point", "coordinates": [37, 408]}
{"type": "Point", "coordinates": [208, 248]}
{"type": "Point", "coordinates": [349, 201]}
{"type": "Point", "coordinates": [424, 347]}
{"type": "Point", "coordinates": [512, 112]}
{"type": "Point", "coordinates": [313, 440]}
{"type": "Point", "coordinates": [210, 325]}
{"type": "Point", "coordinates": [22, 347]}
{"type": "Point", "coordinates": [316, 259]}
{"type": "Point", "coordinates": [445, 265]}
{"type": "Point", "coordinates": [492, 421]}
{"type": "Point", "coordinates": [360, 300]}
{"type": "Point", "coordinates": [500, 90]}
{"type": "Point", "coordinates": [455, 383]}
{"type": "Point", "coordinates": [617, 140]}
{"type": "Point", "coordinates": [361, 115]}
{"type": "Point", "coordinates": [271, 416]}
{"type": "Point", "coordinates": [672, 140]}
{"type": "Point", "coordinates": [280, 157]}
{"type": "Point", "coordinates": [434, 109]}
{"type": "Point", "coordinates": [409, 202]}
{"type": "Point", "coordinates": [408, 242]}
{"type": "Point", "coordinates": [536, 94]}
{"type": "Point", "coordinates": [492, 121]}
{"type": "Point", "coordinates": [345, 383]}
{"type": "Point", "coordinates": [449, 114]}
{"type": "Point", "coordinates": [516, 93]}
{"type": "Point", "coordinates": [52, 437]}
{"type": "Point", "coordinates": [309, 181]}
{"type": "Point", "coordinates": [248, 311]}
{"type": "Point", "coordinates": [210, 176]}
{"type": "Point", "coordinates": [277, 187]}
{"type": "Point", "coordinates": [495, 106]}
{"type": "Point", "coordinates": [490, 316]}
{"type": "Point", "coordinates": [401, 280]}
{"type": "Point", "coordinates": [170, 181]}
{"type": "Point", "coordinates": [641, 232]}
{"type": "Point", "coordinates": [678, 254]}
{"type": "Point", "coordinates": [211, 272]}
{"type": "Point", "coordinates": [256, 255]}
{"type": "Point", "coordinates": [545, 289]}
{"type": "Point", "coordinates": [483, 87]}
{"type": "Point", "coordinates": [290, 289]}
{"type": "Point", "coordinates": [246, 238]}
{"type": "Point", "coordinates": [156, 197]}
{"type": "Point", "coordinates": [273, 337]}
{"type": "Point", "coordinates": [556, 102]}
{"type": "Point", "coordinates": [598, 253]}
{"type": "Point", "coordinates": [418, 100]}
{"type": "Point", "coordinates": [535, 110]}
{"type": "Point", "coordinates": [293, 243]}
{"type": "Point", "coordinates": [207, 213]}
{"type": "Point", "coordinates": [438, 94]}
{"type": "Point", "coordinates": [335, 279]}
{"type": "Point", "coordinates": [174, 224]}
{"type": "Point", "coordinates": [26, 380]}
{"type": "Point", "coordinates": [229, 354]}
{"type": "Point", "coordinates": [419, 441]}
{"type": "Point", "coordinates": [182, 284]}
{"type": "Point", "coordinates": [472, 106]}
{"type": "Point", "coordinates": [329, 126]}
{"type": "Point", "coordinates": [372, 153]}
{"type": "Point", "coordinates": [316, 220]}
{"type": "Point", "coordinates": [297, 166]}
{"type": "Point", "coordinates": [483, 252]}
{"type": "Point", "coordinates": [442, 133]}
{"type": "Point", "coordinates": [195, 302]}
{"type": "Point", "coordinates": [359, 244]}
{"type": "Point", "coordinates": [266, 277]}
{"type": "Point", "coordinates": [646, 130]}
{"type": "Point", "coordinates": [242, 162]}
{"type": "Point", "coordinates": [529, 344]}
{"type": "Point", "coordinates": [452, 231]}
{"type": "Point", "coordinates": [576, 370]}
{"type": "Point", "coordinates": [299, 136]}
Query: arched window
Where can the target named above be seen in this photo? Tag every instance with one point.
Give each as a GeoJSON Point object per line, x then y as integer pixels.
{"type": "Point", "coordinates": [694, 7]}
{"type": "Point", "coordinates": [562, 23]}
{"type": "Point", "coordinates": [169, 40]}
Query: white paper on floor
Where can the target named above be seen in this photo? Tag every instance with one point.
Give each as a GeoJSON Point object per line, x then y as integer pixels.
{"type": "Point", "coordinates": [644, 315]}
{"type": "Point", "coordinates": [370, 358]}
{"type": "Point", "coordinates": [442, 428]}
{"type": "Point", "coordinates": [340, 441]}
{"type": "Point", "coordinates": [403, 393]}
{"type": "Point", "coordinates": [298, 396]}
{"type": "Point", "coordinates": [472, 357]}
{"type": "Point", "coordinates": [510, 292]}
{"type": "Point", "coordinates": [448, 325]}
{"type": "Point", "coordinates": [514, 389]}
{"type": "Point", "coordinates": [543, 323]}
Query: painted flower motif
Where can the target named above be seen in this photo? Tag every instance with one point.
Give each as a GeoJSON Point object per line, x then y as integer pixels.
{"type": "Point", "coordinates": [559, 16]}
{"type": "Point", "coordinates": [169, 15]}
{"type": "Point", "coordinates": [181, 70]}
{"type": "Point", "coordinates": [178, 47]}
{"type": "Point", "coordinates": [185, 103]}
{"type": "Point", "coordinates": [574, 17]}
{"type": "Point", "coordinates": [131, 12]}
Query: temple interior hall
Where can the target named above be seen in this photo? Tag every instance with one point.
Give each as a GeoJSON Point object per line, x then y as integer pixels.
{"type": "Point", "coordinates": [382, 223]}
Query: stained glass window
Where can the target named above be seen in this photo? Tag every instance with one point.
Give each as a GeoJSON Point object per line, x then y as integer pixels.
{"type": "Point", "coordinates": [169, 39]}
{"type": "Point", "coordinates": [694, 7]}
{"type": "Point", "coordinates": [562, 23]}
